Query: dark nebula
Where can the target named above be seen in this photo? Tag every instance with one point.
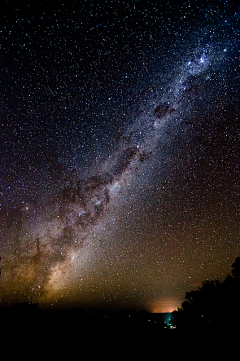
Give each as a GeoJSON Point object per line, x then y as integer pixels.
{"type": "Point", "coordinates": [162, 110]}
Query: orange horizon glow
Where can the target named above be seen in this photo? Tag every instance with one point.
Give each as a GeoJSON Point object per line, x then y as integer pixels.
{"type": "Point", "coordinates": [164, 305]}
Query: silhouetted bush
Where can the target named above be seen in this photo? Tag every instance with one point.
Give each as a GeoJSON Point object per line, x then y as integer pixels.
{"type": "Point", "coordinates": [213, 306]}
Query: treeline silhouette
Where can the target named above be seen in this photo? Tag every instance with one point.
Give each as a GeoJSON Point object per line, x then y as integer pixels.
{"type": "Point", "coordinates": [215, 306]}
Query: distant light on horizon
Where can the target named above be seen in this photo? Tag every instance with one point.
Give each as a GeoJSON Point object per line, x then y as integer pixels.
{"type": "Point", "coordinates": [167, 305]}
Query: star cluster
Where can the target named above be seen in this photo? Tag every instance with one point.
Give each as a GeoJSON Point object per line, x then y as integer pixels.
{"type": "Point", "coordinates": [119, 143]}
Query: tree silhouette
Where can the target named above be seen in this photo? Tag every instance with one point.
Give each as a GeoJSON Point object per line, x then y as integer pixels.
{"type": "Point", "coordinates": [236, 267]}
{"type": "Point", "coordinates": [215, 305]}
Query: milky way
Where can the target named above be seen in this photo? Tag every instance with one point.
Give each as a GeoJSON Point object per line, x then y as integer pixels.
{"type": "Point", "coordinates": [81, 237]}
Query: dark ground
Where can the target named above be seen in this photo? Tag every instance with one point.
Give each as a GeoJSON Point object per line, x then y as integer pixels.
{"type": "Point", "coordinates": [28, 330]}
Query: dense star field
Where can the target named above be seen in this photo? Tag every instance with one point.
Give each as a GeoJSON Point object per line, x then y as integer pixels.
{"type": "Point", "coordinates": [119, 151]}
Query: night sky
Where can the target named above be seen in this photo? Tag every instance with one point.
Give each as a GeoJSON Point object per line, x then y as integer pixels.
{"type": "Point", "coordinates": [119, 151]}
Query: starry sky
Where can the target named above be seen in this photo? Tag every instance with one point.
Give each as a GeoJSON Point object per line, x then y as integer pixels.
{"type": "Point", "coordinates": [119, 151]}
